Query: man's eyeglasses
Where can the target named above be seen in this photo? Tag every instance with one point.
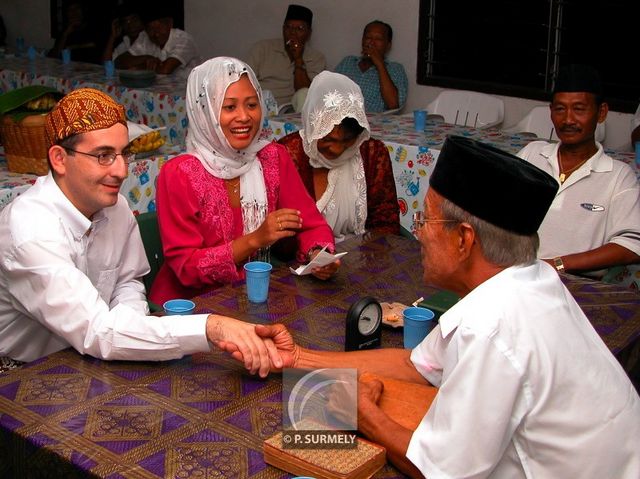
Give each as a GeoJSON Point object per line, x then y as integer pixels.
{"type": "Point", "coordinates": [295, 28]}
{"type": "Point", "coordinates": [419, 221]}
{"type": "Point", "coordinates": [107, 159]}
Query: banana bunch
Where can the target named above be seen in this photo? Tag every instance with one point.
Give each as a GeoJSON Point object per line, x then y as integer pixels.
{"type": "Point", "coordinates": [147, 142]}
{"type": "Point", "coordinates": [45, 102]}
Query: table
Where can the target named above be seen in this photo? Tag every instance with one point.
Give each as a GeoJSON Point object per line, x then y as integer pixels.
{"type": "Point", "coordinates": [160, 105]}
{"type": "Point", "coordinates": [202, 416]}
{"type": "Point", "coordinates": [413, 156]}
{"type": "Point", "coordinates": [139, 187]}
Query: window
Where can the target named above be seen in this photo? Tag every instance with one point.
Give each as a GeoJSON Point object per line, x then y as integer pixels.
{"type": "Point", "coordinates": [515, 47]}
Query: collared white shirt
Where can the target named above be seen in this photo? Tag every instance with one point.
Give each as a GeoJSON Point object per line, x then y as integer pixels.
{"type": "Point", "coordinates": [599, 203]}
{"type": "Point", "coordinates": [68, 281]}
{"type": "Point", "coordinates": [180, 46]}
{"type": "Point", "coordinates": [527, 388]}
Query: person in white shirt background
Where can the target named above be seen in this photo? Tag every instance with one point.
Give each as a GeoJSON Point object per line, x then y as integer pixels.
{"type": "Point", "coordinates": [125, 29]}
{"type": "Point", "coordinates": [594, 221]}
{"type": "Point", "coordinates": [161, 47]}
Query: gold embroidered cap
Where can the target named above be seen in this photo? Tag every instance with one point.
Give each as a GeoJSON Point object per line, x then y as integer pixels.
{"type": "Point", "coordinates": [81, 111]}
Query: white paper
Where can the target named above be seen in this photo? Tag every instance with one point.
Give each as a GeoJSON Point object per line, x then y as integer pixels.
{"type": "Point", "coordinates": [323, 258]}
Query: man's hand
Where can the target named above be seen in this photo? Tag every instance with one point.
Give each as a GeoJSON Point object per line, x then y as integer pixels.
{"type": "Point", "coordinates": [240, 340]}
{"type": "Point", "coordinates": [288, 350]}
{"type": "Point", "coordinates": [295, 48]}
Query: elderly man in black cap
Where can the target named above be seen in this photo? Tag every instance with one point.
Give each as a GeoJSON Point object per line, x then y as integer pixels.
{"type": "Point", "coordinates": [284, 66]}
{"type": "Point", "coordinates": [526, 386]}
{"type": "Point", "coordinates": [594, 221]}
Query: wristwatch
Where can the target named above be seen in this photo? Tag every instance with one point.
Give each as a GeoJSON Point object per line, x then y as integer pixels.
{"type": "Point", "coordinates": [557, 262]}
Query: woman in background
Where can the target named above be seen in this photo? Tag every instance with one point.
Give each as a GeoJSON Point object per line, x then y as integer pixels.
{"type": "Point", "coordinates": [232, 195]}
{"type": "Point", "coordinates": [347, 173]}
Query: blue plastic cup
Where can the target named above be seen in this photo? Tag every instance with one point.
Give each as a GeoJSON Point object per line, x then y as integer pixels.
{"type": "Point", "coordinates": [637, 154]}
{"type": "Point", "coordinates": [175, 307]}
{"type": "Point", "coordinates": [257, 273]}
{"type": "Point", "coordinates": [419, 119]}
{"type": "Point", "coordinates": [109, 69]}
{"type": "Point", "coordinates": [66, 56]}
{"type": "Point", "coordinates": [418, 323]}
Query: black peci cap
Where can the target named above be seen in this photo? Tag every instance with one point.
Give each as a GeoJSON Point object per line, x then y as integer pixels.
{"type": "Point", "coordinates": [493, 185]}
{"type": "Point", "coordinates": [298, 12]}
{"type": "Point", "coordinates": [578, 78]}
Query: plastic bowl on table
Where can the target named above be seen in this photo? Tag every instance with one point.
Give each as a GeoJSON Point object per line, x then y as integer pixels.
{"type": "Point", "coordinates": [137, 78]}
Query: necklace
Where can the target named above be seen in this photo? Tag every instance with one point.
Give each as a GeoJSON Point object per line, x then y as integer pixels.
{"type": "Point", "coordinates": [235, 187]}
{"type": "Point", "coordinates": [565, 174]}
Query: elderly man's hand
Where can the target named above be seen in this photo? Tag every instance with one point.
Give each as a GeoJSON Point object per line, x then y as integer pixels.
{"type": "Point", "coordinates": [240, 340]}
{"type": "Point", "coordinates": [288, 350]}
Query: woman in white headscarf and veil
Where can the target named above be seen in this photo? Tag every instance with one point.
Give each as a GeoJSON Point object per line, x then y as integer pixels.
{"type": "Point", "coordinates": [347, 173]}
{"type": "Point", "coordinates": [231, 195]}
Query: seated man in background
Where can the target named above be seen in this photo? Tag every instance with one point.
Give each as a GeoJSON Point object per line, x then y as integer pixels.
{"type": "Point", "coordinates": [80, 35]}
{"type": "Point", "coordinates": [285, 65]}
{"type": "Point", "coordinates": [124, 32]}
{"type": "Point", "coordinates": [73, 259]}
{"type": "Point", "coordinates": [594, 221]}
{"type": "Point", "coordinates": [527, 388]}
{"type": "Point", "coordinates": [161, 47]}
{"type": "Point", "coordinates": [383, 83]}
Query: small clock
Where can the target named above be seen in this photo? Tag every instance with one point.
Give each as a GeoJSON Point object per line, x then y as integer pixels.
{"type": "Point", "coordinates": [364, 325]}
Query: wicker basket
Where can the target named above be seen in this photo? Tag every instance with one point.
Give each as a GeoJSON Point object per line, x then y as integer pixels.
{"type": "Point", "coordinates": [25, 144]}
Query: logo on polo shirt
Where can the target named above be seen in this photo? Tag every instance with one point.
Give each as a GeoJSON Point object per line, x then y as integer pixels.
{"type": "Point", "coordinates": [592, 207]}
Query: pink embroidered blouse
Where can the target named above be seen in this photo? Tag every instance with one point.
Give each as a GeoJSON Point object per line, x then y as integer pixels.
{"type": "Point", "coordinates": [197, 223]}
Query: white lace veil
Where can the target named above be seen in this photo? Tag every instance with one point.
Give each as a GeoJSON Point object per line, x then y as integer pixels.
{"type": "Point", "coordinates": [333, 97]}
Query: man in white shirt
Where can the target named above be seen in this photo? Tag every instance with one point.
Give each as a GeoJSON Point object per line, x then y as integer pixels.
{"type": "Point", "coordinates": [72, 257]}
{"type": "Point", "coordinates": [161, 47]}
{"type": "Point", "coordinates": [526, 386]}
{"type": "Point", "coordinates": [287, 65]}
{"type": "Point", "coordinates": [594, 221]}
{"type": "Point", "coordinates": [126, 28]}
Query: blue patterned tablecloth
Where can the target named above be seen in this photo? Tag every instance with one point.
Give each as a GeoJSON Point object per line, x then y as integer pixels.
{"type": "Point", "coordinates": [413, 155]}
{"type": "Point", "coordinates": [139, 187]}
{"type": "Point", "coordinates": [160, 105]}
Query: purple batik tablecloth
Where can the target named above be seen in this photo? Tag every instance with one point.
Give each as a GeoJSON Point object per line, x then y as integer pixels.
{"type": "Point", "coordinates": [202, 417]}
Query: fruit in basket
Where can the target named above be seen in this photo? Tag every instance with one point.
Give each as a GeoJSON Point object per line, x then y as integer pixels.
{"type": "Point", "coordinates": [45, 102]}
{"type": "Point", "coordinates": [148, 142]}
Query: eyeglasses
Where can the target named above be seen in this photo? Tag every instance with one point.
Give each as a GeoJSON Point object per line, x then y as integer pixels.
{"type": "Point", "coordinates": [107, 159]}
{"type": "Point", "coordinates": [419, 221]}
{"type": "Point", "coordinates": [294, 28]}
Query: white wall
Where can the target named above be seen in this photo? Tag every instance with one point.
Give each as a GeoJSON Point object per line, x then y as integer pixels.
{"type": "Point", "coordinates": [229, 27]}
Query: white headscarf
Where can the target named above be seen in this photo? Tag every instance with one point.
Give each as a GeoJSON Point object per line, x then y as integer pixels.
{"type": "Point", "coordinates": [332, 97]}
{"type": "Point", "coordinates": [206, 88]}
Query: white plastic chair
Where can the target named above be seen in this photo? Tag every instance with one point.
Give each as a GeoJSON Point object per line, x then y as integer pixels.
{"type": "Point", "coordinates": [538, 121]}
{"type": "Point", "coordinates": [468, 108]}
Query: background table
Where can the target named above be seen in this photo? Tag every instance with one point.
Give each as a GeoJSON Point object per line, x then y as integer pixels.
{"type": "Point", "coordinates": [139, 187]}
{"type": "Point", "coordinates": [71, 416]}
{"type": "Point", "coordinates": [162, 104]}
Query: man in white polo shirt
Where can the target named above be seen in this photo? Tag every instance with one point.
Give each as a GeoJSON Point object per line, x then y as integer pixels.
{"type": "Point", "coordinates": [594, 221]}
